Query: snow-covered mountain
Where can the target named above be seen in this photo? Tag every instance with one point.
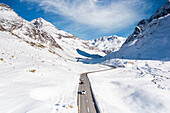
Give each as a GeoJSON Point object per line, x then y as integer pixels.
{"type": "Point", "coordinates": [42, 34]}
{"type": "Point", "coordinates": [34, 80]}
{"type": "Point", "coordinates": [42, 24]}
{"type": "Point", "coordinates": [38, 73]}
{"type": "Point", "coordinates": [150, 39]}
{"type": "Point", "coordinates": [17, 26]}
{"type": "Point", "coordinates": [67, 41]}
{"type": "Point", "coordinates": [38, 69]}
{"type": "Point", "coordinates": [108, 44]}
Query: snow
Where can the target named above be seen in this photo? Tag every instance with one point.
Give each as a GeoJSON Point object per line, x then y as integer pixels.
{"type": "Point", "coordinates": [141, 83]}
{"type": "Point", "coordinates": [42, 24]}
{"type": "Point", "coordinates": [44, 33]}
{"type": "Point", "coordinates": [150, 40]}
{"type": "Point", "coordinates": [142, 86]}
{"type": "Point", "coordinates": [33, 80]}
{"type": "Point", "coordinates": [39, 72]}
{"type": "Point", "coordinates": [67, 41]}
{"type": "Point", "coordinates": [108, 44]}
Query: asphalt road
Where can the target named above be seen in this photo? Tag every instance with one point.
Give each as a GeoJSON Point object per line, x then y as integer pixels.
{"type": "Point", "coordinates": [85, 101]}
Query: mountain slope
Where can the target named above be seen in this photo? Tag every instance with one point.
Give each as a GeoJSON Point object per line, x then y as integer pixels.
{"type": "Point", "coordinates": [42, 24]}
{"type": "Point", "coordinates": [40, 33]}
{"type": "Point", "coordinates": [151, 38]}
{"type": "Point", "coordinates": [34, 80]}
{"type": "Point", "coordinates": [67, 41]}
{"type": "Point", "coordinates": [11, 22]}
{"type": "Point", "coordinates": [38, 72]}
{"type": "Point", "coordinates": [108, 44]}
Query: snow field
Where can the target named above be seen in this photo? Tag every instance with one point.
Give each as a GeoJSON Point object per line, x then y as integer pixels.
{"type": "Point", "coordinates": [140, 87]}
{"type": "Point", "coordinates": [33, 80]}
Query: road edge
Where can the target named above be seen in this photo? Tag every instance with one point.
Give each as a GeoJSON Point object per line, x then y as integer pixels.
{"type": "Point", "coordinates": [93, 97]}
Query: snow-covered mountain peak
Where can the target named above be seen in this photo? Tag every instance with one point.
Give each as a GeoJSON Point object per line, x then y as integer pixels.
{"type": "Point", "coordinates": [108, 44]}
{"type": "Point", "coordinates": [4, 7]}
{"type": "Point", "coordinates": [42, 24]}
{"type": "Point", "coordinates": [40, 33]}
{"type": "Point", "coordinates": [150, 39]}
{"type": "Point", "coordinates": [143, 24]}
{"type": "Point", "coordinates": [107, 38]}
{"type": "Point", "coordinates": [161, 11]}
{"type": "Point", "coordinates": [7, 11]}
{"type": "Point", "coordinates": [9, 20]}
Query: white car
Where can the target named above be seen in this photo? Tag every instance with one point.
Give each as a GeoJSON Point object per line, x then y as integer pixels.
{"type": "Point", "coordinates": [81, 79]}
{"type": "Point", "coordinates": [83, 92]}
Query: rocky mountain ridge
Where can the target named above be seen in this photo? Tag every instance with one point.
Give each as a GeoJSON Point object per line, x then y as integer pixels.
{"type": "Point", "coordinates": [150, 39]}
{"type": "Point", "coordinates": [42, 34]}
{"type": "Point", "coordinates": [42, 24]}
{"type": "Point", "coordinates": [108, 44]}
{"type": "Point", "coordinates": [13, 23]}
{"type": "Point", "coordinates": [141, 27]}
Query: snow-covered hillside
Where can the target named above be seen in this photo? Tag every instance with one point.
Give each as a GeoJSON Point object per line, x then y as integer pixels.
{"type": "Point", "coordinates": [42, 24]}
{"type": "Point", "coordinates": [67, 41]}
{"type": "Point", "coordinates": [142, 86]}
{"type": "Point", "coordinates": [33, 80]}
{"type": "Point", "coordinates": [38, 69]}
{"type": "Point", "coordinates": [43, 34]}
{"type": "Point", "coordinates": [17, 26]}
{"type": "Point", "coordinates": [151, 38]}
{"type": "Point", "coordinates": [39, 72]}
{"type": "Point", "coordinates": [139, 86]}
{"type": "Point", "coordinates": [108, 44]}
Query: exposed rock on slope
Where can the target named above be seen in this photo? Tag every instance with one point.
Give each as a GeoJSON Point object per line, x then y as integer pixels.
{"type": "Point", "coordinates": [151, 38]}
{"type": "Point", "coordinates": [41, 33]}
{"type": "Point", "coordinates": [108, 44]}
{"type": "Point", "coordinates": [42, 24]}
{"type": "Point", "coordinates": [11, 22]}
{"type": "Point", "coordinates": [67, 41]}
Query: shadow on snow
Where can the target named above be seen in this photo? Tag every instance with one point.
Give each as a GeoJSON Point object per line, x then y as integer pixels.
{"type": "Point", "coordinates": [85, 54]}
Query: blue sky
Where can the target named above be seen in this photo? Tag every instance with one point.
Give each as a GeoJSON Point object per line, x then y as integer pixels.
{"type": "Point", "coordinates": [88, 19]}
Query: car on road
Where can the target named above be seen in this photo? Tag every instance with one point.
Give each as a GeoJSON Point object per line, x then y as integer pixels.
{"type": "Point", "coordinates": [81, 82]}
{"type": "Point", "coordinates": [83, 92]}
{"type": "Point", "coordinates": [81, 79]}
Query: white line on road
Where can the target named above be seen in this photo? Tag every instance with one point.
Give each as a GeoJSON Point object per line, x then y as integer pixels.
{"type": "Point", "coordinates": [87, 101]}
{"type": "Point", "coordinates": [86, 95]}
{"type": "Point", "coordinates": [88, 109]}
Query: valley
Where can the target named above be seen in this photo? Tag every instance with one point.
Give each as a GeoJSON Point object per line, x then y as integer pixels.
{"type": "Point", "coordinates": [47, 70]}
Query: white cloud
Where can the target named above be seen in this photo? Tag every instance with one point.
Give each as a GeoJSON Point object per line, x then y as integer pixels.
{"type": "Point", "coordinates": [102, 14]}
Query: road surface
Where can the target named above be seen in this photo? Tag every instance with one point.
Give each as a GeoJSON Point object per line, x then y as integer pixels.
{"type": "Point", "coordinates": [86, 102]}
